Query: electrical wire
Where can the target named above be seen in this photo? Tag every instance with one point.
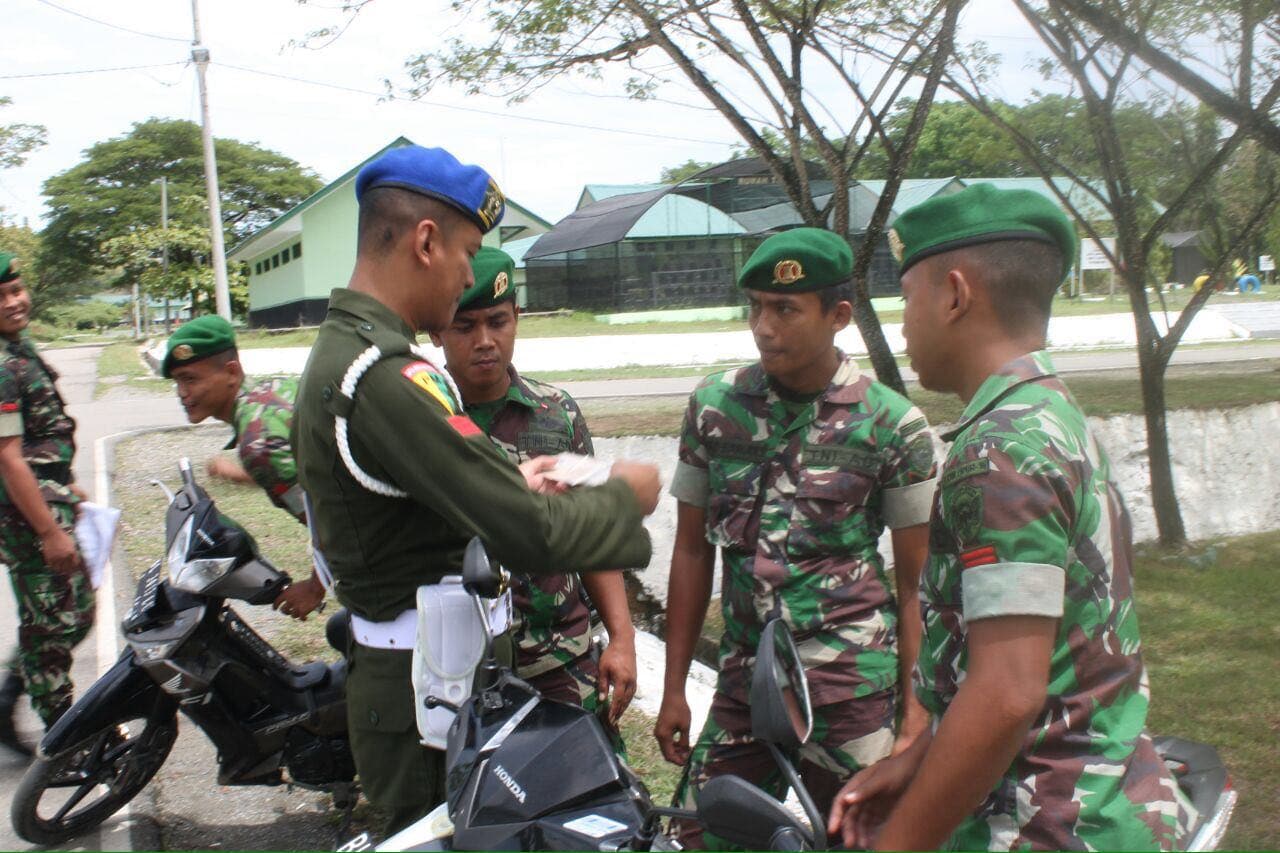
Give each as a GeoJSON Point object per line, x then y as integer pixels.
{"type": "Point", "coordinates": [477, 110]}
{"type": "Point", "coordinates": [89, 71]}
{"type": "Point", "coordinates": [53, 5]}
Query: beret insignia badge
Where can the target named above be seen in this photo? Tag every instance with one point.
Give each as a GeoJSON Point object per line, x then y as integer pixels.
{"type": "Point", "coordinates": [491, 207]}
{"type": "Point", "coordinates": [896, 246]}
{"type": "Point", "coordinates": [500, 284]}
{"type": "Point", "coordinates": [787, 272]}
{"type": "Point", "coordinates": [182, 352]}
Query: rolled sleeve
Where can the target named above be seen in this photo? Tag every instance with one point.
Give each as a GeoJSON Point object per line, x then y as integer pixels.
{"type": "Point", "coordinates": [907, 506]}
{"type": "Point", "coordinates": [1013, 589]}
{"type": "Point", "coordinates": [690, 485]}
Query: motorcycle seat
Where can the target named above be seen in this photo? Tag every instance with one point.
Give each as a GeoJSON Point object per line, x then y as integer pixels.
{"type": "Point", "coordinates": [308, 675]}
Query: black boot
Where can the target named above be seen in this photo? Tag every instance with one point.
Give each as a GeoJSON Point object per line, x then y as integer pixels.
{"type": "Point", "coordinates": [10, 691]}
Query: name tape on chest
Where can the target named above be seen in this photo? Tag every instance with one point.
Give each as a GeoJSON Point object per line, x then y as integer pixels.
{"type": "Point", "coordinates": [422, 375]}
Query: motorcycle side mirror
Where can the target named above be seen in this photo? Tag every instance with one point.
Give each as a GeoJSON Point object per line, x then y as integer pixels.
{"type": "Point", "coordinates": [780, 709]}
{"type": "Point", "coordinates": [479, 576]}
{"type": "Point", "coordinates": [736, 810]}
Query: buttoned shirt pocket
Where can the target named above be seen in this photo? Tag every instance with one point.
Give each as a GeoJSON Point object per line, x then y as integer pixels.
{"type": "Point", "coordinates": [733, 510]}
{"type": "Point", "coordinates": [830, 509]}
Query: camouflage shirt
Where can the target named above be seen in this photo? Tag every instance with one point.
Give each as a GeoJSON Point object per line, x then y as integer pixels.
{"type": "Point", "coordinates": [1029, 522]}
{"type": "Point", "coordinates": [31, 407]}
{"type": "Point", "coordinates": [796, 496]}
{"type": "Point", "coordinates": [553, 618]}
{"type": "Point", "coordinates": [261, 420]}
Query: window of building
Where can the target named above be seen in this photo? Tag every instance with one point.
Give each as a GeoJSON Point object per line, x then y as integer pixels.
{"type": "Point", "coordinates": [297, 250]}
{"type": "Point", "coordinates": [275, 261]}
{"type": "Point", "coordinates": [284, 256]}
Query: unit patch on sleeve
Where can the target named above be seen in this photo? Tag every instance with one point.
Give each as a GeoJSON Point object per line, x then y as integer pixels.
{"type": "Point", "coordinates": [464, 426]}
{"type": "Point", "coordinates": [423, 375]}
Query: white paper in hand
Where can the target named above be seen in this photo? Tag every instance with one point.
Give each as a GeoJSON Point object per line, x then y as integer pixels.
{"type": "Point", "coordinates": [574, 469]}
{"type": "Point", "coordinates": [96, 527]}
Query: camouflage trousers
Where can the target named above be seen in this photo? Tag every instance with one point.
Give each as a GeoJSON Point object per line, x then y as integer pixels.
{"type": "Point", "coordinates": [55, 612]}
{"type": "Point", "coordinates": [847, 737]}
{"type": "Point", "coordinates": [577, 683]}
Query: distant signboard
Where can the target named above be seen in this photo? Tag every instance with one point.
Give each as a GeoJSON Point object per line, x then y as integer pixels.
{"type": "Point", "coordinates": [1266, 263]}
{"type": "Point", "coordinates": [1092, 256]}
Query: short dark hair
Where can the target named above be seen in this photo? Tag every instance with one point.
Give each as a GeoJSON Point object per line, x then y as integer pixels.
{"type": "Point", "coordinates": [1022, 277]}
{"type": "Point", "coordinates": [386, 212]}
{"type": "Point", "coordinates": [829, 296]}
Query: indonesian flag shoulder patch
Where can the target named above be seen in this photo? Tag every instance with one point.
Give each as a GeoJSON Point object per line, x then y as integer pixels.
{"type": "Point", "coordinates": [464, 426]}
{"type": "Point", "coordinates": [10, 407]}
{"type": "Point", "coordinates": [423, 375]}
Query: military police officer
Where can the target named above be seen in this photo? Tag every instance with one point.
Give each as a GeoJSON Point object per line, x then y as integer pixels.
{"type": "Point", "coordinates": [37, 519]}
{"type": "Point", "coordinates": [1031, 661]}
{"type": "Point", "coordinates": [398, 475]}
{"type": "Point", "coordinates": [529, 419]}
{"type": "Point", "coordinates": [794, 466]}
{"type": "Point", "coordinates": [202, 360]}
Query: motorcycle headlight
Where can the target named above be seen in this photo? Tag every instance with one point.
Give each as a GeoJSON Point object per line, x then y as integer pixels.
{"type": "Point", "coordinates": [193, 575]}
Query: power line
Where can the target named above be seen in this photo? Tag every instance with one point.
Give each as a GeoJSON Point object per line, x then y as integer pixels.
{"type": "Point", "coordinates": [53, 5]}
{"type": "Point", "coordinates": [477, 110]}
{"type": "Point", "coordinates": [89, 71]}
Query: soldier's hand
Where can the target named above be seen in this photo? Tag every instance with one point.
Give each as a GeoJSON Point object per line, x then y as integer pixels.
{"type": "Point", "coordinates": [643, 480]}
{"type": "Point", "coordinates": [672, 728]}
{"type": "Point", "coordinates": [534, 471]}
{"type": "Point", "coordinates": [60, 552]}
{"type": "Point", "coordinates": [299, 599]}
{"type": "Point", "coordinates": [618, 671]}
{"type": "Point", "coordinates": [222, 468]}
{"type": "Point", "coordinates": [864, 803]}
{"type": "Point", "coordinates": [915, 721]}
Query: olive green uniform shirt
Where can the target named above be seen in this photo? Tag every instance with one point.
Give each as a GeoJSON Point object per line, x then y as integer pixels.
{"type": "Point", "coordinates": [405, 428]}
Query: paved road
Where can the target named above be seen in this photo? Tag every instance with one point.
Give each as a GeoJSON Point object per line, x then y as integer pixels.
{"type": "Point", "coordinates": [117, 412]}
{"type": "Point", "coordinates": [1067, 362]}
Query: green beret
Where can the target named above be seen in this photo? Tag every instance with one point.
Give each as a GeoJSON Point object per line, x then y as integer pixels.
{"type": "Point", "coordinates": [495, 275]}
{"type": "Point", "coordinates": [801, 260]}
{"type": "Point", "coordinates": [980, 213]}
{"type": "Point", "coordinates": [8, 267]}
{"type": "Point", "coordinates": [197, 339]}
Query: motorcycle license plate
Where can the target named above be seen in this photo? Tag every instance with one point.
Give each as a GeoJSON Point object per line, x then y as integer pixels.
{"type": "Point", "coordinates": [145, 597]}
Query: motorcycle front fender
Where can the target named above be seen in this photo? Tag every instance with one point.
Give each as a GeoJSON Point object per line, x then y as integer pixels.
{"type": "Point", "coordinates": [124, 692]}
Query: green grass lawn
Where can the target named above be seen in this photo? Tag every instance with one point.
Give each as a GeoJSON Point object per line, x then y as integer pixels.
{"type": "Point", "coordinates": [1212, 644]}
{"type": "Point", "coordinates": [121, 363]}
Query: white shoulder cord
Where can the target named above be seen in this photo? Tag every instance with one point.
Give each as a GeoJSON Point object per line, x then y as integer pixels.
{"type": "Point", "coordinates": [350, 380]}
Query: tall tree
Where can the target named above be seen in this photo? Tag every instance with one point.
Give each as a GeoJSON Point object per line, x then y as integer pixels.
{"type": "Point", "coordinates": [115, 191]}
{"type": "Point", "coordinates": [1109, 80]}
{"type": "Point", "coordinates": [789, 77]}
{"type": "Point", "coordinates": [173, 263]}
{"type": "Point", "coordinates": [17, 140]}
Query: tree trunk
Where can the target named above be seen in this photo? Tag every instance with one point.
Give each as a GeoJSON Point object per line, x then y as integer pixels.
{"type": "Point", "coordinates": [1164, 499]}
{"type": "Point", "coordinates": [882, 360]}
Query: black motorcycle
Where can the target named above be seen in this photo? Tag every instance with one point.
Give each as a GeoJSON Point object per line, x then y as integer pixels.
{"type": "Point", "coordinates": [527, 773]}
{"type": "Point", "coordinates": [187, 650]}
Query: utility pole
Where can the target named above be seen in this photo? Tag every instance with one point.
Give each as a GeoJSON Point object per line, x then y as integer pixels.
{"type": "Point", "coordinates": [200, 56]}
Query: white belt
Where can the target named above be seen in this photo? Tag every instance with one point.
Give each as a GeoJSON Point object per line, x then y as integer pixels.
{"type": "Point", "coordinates": [398, 633]}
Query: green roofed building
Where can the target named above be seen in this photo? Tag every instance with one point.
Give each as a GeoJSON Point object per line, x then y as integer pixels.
{"type": "Point", "coordinates": [296, 260]}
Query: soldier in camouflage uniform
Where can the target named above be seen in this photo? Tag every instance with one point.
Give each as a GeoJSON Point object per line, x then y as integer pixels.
{"type": "Point", "coordinates": [794, 466]}
{"type": "Point", "coordinates": [202, 360]}
{"type": "Point", "coordinates": [37, 519]}
{"type": "Point", "coordinates": [527, 419]}
{"type": "Point", "coordinates": [1031, 661]}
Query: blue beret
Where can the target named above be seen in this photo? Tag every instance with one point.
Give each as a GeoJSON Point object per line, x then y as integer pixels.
{"type": "Point", "coordinates": [436, 173]}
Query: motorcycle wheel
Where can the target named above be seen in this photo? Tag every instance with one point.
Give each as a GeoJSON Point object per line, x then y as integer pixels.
{"type": "Point", "coordinates": [69, 793]}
